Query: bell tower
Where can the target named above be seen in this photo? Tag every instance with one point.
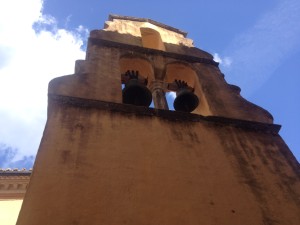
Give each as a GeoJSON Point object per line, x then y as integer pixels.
{"type": "Point", "coordinates": [108, 158]}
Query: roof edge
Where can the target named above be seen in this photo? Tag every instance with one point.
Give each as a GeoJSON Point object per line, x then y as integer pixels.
{"type": "Point", "coordinates": [113, 16]}
{"type": "Point", "coordinates": [15, 173]}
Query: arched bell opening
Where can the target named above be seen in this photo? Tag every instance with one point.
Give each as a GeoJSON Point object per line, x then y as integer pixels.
{"type": "Point", "coordinates": [151, 39]}
{"type": "Point", "coordinates": [184, 91]}
{"type": "Point", "coordinates": [136, 75]}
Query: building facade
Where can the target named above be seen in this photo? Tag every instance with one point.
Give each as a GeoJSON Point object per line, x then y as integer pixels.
{"type": "Point", "coordinates": [13, 185]}
{"type": "Point", "coordinates": [107, 158]}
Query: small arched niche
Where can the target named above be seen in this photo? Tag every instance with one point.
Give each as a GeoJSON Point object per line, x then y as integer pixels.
{"type": "Point", "coordinates": [181, 71]}
{"type": "Point", "coordinates": [142, 65]}
{"type": "Point", "coordinates": [151, 39]}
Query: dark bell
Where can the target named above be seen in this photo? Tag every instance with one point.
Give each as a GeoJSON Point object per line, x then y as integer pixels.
{"type": "Point", "coordinates": [135, 93]}
{"type": "Point", "coordinates": [186, 100]}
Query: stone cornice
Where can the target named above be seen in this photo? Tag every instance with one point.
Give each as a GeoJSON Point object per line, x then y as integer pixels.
{"type": "Point", "coordinates": [164, 114]}
{"type": "Point", "coordinates": [13, 186]}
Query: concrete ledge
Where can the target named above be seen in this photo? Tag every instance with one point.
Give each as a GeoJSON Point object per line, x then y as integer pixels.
{"type": "Point", "coordinates": [165, 114]}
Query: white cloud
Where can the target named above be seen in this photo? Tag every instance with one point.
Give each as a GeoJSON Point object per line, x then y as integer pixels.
{"type": "Point", "coordinates": [256, 53]}
{"type": "Point", "coordinates": [217, 58]}
{"type": "Point", "coordinates": [226, 61]}
{"type": "Point", "coordinates": [32, 57]}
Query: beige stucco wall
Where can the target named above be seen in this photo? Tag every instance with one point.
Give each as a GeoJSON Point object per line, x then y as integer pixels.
{"type": "Point", "coordinates": [101, 167]}
{"type": "Point", "coordinates": [9, 211]}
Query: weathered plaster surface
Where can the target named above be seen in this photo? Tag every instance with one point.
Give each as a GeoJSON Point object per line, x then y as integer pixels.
{"type": "Point", "coordinates": [116, 167]}
{"type": "Point", "coordinates": [123, 26]}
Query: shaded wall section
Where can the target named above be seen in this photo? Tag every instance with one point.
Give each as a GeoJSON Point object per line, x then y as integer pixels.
{"type": "Point", "coordinates": [109, 163]}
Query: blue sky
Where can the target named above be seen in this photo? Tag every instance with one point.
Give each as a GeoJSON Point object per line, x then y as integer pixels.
{"type": "Point", "coordinates": [256, 42]}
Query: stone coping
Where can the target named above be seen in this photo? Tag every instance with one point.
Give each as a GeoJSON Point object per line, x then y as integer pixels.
{"type": "Point", "coordinates": [113, 16]}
